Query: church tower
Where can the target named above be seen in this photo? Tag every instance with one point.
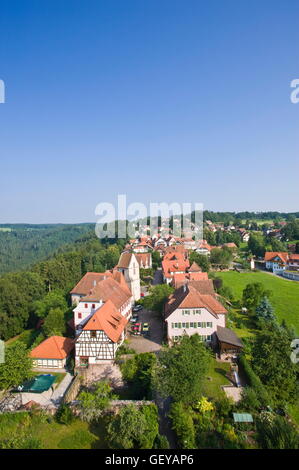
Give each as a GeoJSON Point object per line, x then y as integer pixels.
{"type": "Point", "coordinates": [128, 265]}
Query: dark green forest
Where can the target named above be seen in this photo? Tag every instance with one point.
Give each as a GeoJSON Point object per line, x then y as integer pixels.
{"type": "Point", "coordinates": [21, 245]}
{"type": "Point", "coordinates": [29, 295]}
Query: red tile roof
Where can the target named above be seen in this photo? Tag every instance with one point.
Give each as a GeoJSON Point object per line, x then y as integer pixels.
{"type": "Point", "coordinates": [270, 255]}
{"type": "Point", "coordinates": [55, 347]}
{"type": "Point", "coordinates": [108, 319]}
{"type": "Point", "coordinates": [109, 289]}
{"type": "Point", "coordinates": [88, 282]}
{"type": "Point", "coordinates": [189, 297]}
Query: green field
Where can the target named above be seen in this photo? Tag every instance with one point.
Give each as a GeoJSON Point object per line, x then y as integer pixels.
{"type": "Point", "coordinates": [284, 298]}
{"type": "Point", "coordinates": [78, 435]}
{"type": "Point", "coordinates": [215, 379]}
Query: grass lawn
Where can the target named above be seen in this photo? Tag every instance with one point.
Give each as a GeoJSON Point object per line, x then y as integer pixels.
{"type": "Point", "coordinates": [215, 379]}
{"type": "Point", "coordinates": [78, 435]}
{"type": "Point", "coordinates": [284, 298]}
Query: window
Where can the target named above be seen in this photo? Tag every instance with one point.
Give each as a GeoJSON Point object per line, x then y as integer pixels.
{"type": "Point", "coordinates": [79, 315]}
{"type": "Point", "coordinates": [93, 305]}
{"type": "Point", "coordinates": [199, 324]}
{"type": "Point", "coordinates": [191, 325]}
{"type": "Point", "coordinates": [93, 334]}
{"type": "Point", "coordinates": [184, 325]}
{"type": "Point", "coordinates": [208, 337]}
{"type": "Point", "coordinates": [209, 324]}
{"type": "Point", "coordinates": [86, 305]}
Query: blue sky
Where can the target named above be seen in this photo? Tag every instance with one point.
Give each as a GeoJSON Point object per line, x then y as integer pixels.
{"type": "Point", "coordinates": [185, 101]}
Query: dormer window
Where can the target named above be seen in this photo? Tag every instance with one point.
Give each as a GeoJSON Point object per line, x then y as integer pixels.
{"type": "Point", "coordinates": [93, 334]}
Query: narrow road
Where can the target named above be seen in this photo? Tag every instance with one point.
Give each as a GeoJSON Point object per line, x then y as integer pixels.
{"type": "Point", "coordinates": [158, 277]}
{"type": "Point", "coordinates": [165, 422]}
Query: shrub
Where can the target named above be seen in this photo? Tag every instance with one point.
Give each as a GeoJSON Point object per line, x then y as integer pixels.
{"type": "Point", "coordinates": [64, 415]}
{"type": "Point", "coordinates": [255, 382]}
{"type": "Point", "coordinates": [161, 442]}
{"type": "Point", "coordinates": [182, 424]}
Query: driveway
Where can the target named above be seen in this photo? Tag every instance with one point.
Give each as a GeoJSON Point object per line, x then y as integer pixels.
{"type": "Point", "coordinates": [153, 342]}
{"type": "Point", "coordinates": [158, 277]}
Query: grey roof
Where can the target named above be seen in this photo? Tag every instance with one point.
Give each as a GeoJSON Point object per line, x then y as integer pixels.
{"type": "Point", "coordinates": [228, 336]}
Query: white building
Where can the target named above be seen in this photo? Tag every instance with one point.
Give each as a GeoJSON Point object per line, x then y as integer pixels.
{"type": "Point", "coordinates": [189, 311]}
{"type": "Point", "coordinates": [129, 267]}
{"type": "Point", "coordinates": [100, 316]}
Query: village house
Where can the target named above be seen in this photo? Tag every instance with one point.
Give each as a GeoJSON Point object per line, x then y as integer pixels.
{"type": "Point", "coordinates": [173, 263]}
{"type": "Point", "coordinates": [101, 335]}
{"type": "Point", "coordinates": [277, 261]}
{"type": "Point", "coordinates": [194, 309]}
{"type": "Point", "coordinates": [52, 353]}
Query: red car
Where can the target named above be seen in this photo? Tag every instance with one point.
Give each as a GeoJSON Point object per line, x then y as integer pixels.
{"type": "Point", "coordinates": [136, 329]}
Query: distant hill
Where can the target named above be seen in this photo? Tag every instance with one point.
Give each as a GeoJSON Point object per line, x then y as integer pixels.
{"type": "Point", "coordinates": [22, 245]}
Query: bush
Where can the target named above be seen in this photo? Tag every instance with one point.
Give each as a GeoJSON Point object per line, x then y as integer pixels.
{"type": "Point", "coordinates": [255, 383]}
{"type": "Point", "coordinates": [182, 424]}
{"type": "Point", "coordinates": [161, 442]}
{"type": "Point", "coordinates": [64, 415]}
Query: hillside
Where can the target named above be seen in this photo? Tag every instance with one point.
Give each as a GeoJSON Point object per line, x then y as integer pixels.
{"type": "Point", "coordinates": [21, 245]}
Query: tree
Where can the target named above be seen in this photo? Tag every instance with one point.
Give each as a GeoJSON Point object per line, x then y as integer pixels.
{"type": "Point", "coordinates": [132, 428]}
{"type": "Point", "coordinates": [256, 245]}
{"type": "Point", "coordinates": [265, 310]}
{"type": "Point", "coordinates": [277, 245]}
{"type": "Point", "coordinates": [272, 363]}
{"type": "Point", "coordinates": [157, 297]}
{"type": "Point", "coordinates": [54, 324]}
{"type": "Point", "coordinates": [92, 404]}
{"type": "Point", "coordinates": [54, 299]}
{"type": "Point", "coordinates": [182, 424]}
{"type": "Point", "coordinates": [138, 372]}
{"type": "Point", "coordinates": [221, 256]}
{"type": "Point", "coordinates": [181, 369]}
{"type": "Point", "coordinates": [253, 294]}
{"type": "Point", "coordinates": [156, 259]}
{"type": "Point", "coordinates": [17, 366]}
{"type": "Point", "coordinates": [202, 261]}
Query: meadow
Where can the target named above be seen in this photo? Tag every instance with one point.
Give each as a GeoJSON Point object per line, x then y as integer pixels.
{"type": "Point", "coordinates": [284, 293]}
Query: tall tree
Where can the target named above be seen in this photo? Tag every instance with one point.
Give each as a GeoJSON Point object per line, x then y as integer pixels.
{"type": "Point", "coordinates": [17, 366]}
{"type": "Point", "coordinates": [181, 369]}
{"type": "Point", "coordinates": [271, 354]}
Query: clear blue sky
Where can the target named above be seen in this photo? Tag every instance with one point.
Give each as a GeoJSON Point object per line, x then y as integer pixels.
{"type": "Point", "coordinates": [161, 100]}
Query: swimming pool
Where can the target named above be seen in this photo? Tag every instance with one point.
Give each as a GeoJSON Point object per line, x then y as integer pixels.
{"type": "Point", "coordinates": [38, 384]}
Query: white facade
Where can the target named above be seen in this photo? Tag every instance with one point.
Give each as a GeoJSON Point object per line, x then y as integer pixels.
{"type": "Point", "coordinates": [94, 347]}
{"type": "Point", "coordinates": [193, 320]}
{"type": "Point", "coordinates": [49, 363]}
{"type": "Point", "coordinates": [132, 277]}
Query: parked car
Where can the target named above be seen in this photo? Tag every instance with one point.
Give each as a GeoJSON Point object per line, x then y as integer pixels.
{"type": "Point", "coordinates": [134, 319]}
{"type": "Point", "coordinates": [136, 329]}
{"type": "Point", "coordinates": [142, 294]}
{"type": "Point", "coordinates": [137, 308]}
{"type": "Point", "coordinates": [145, 327]}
